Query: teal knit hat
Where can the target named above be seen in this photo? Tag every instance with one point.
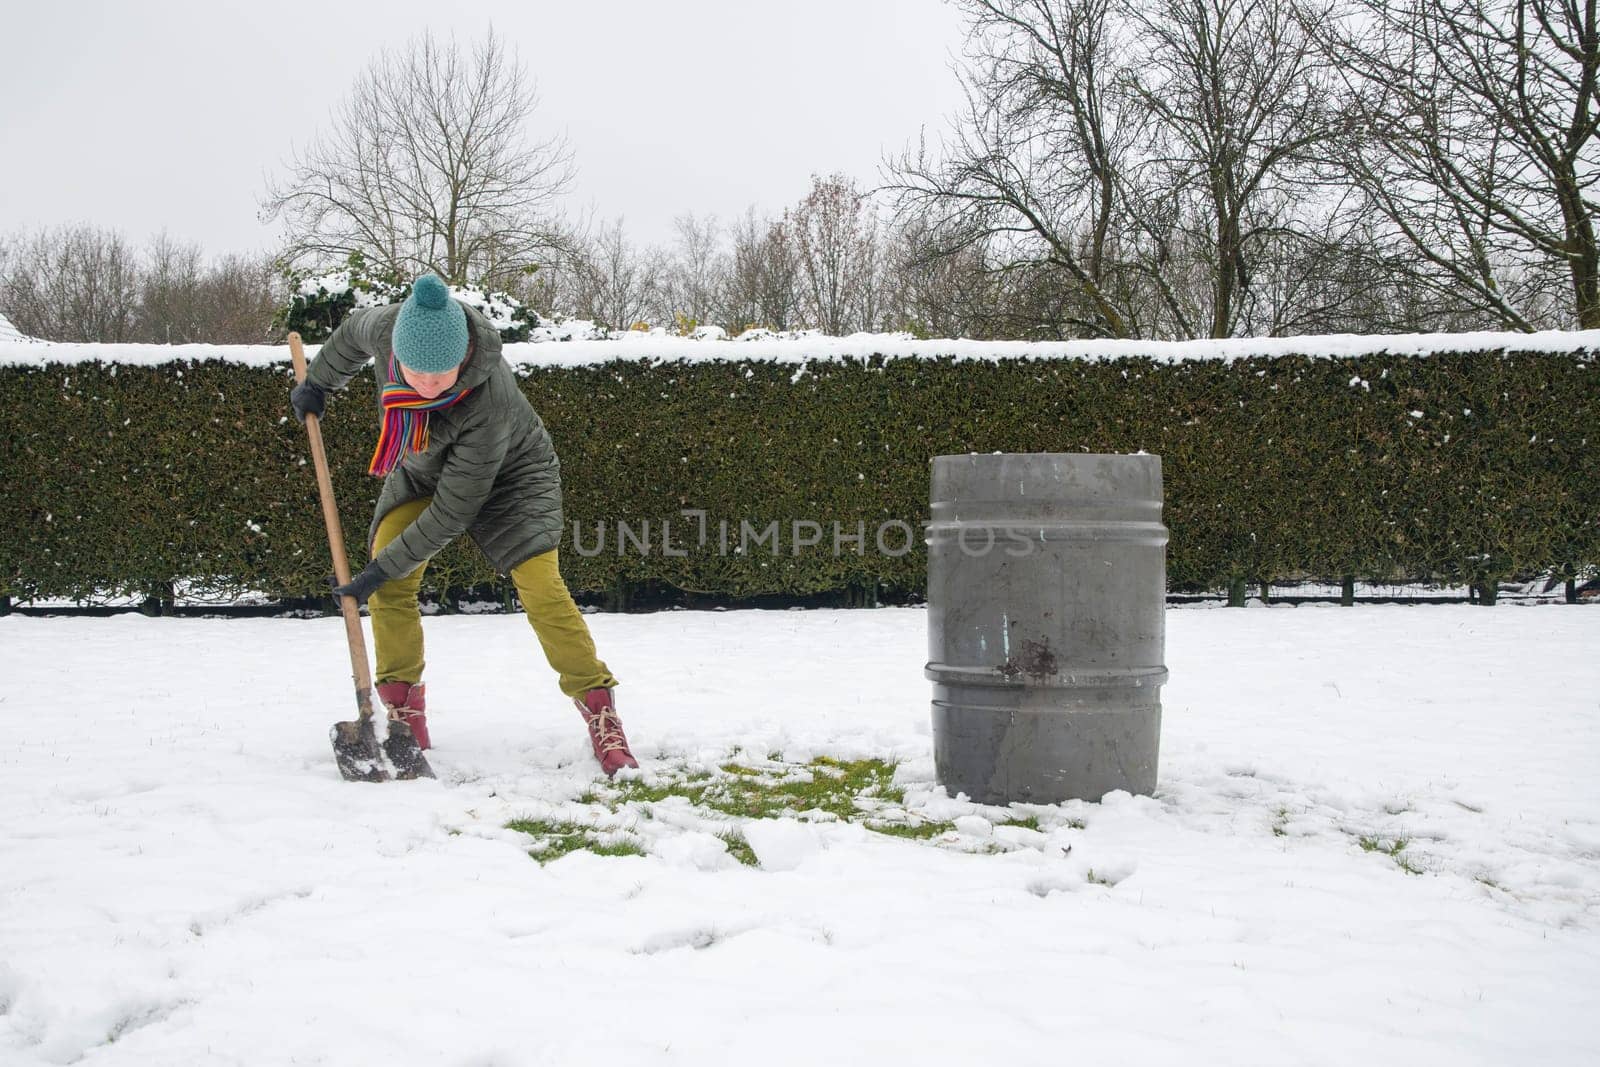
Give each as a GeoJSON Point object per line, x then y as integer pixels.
{"type": "Point", "coordinates": [430, 333]}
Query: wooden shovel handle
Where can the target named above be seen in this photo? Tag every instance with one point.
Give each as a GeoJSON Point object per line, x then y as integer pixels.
{"type": "Point", "coordinates": [361, 672]}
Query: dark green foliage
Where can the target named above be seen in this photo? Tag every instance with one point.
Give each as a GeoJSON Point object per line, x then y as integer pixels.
{"type": "Point", "coordinates": [315, 314]}
{"type": "Point", "coordinates": [125, 478]}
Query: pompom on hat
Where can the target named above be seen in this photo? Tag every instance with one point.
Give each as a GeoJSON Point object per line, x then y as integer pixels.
{"type": "Point", "coordinates": [430, 333]}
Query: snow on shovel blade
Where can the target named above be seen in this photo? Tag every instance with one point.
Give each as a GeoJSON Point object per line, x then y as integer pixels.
{"type": "Point", "coordinates": [405, 755]}
{"type": "Point", "coordinates": [355, 749]}
{"type": "Point", "coordinates": [362, 759]}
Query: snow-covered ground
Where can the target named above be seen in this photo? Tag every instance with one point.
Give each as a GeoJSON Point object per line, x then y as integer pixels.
{"type": "Point", "coordinates": [185, 880]}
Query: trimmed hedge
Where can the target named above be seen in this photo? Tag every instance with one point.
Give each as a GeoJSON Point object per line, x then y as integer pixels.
{"type": "Point", "coordinates": [1469, 467]}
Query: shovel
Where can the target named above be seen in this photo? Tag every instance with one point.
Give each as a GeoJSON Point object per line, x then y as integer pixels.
{"type": "Point", "coordinates": [355, 744]}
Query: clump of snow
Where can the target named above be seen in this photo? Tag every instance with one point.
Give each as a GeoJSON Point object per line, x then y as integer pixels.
{"type": "Point", "coordinates": [975, 825]}
{"type": "Point", "coordinates": [761, 333]}
{"type": "Point", "coordinates": [782, 844]}
{"type": "Point", "coordinates": [695, 850]}
{"type": "Point", "coordinates": [339, 282]}
{"type": "Point", "coordinates": [505, 312]}
{"type": "Point", "coordinates": [567, 330]}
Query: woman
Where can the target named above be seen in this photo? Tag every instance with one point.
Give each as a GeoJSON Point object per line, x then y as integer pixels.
{"type": "Point", "coordinates": [460, 451]}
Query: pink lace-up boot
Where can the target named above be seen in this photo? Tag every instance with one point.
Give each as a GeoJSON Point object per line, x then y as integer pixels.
{"type": "Point", "coordinates": [406, 702]}
{"type": "Point", "coordinates": [605, 731]}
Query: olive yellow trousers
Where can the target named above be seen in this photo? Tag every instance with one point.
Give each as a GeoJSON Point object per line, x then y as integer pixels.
{"type": "Point", "coordinates": [559, 626]}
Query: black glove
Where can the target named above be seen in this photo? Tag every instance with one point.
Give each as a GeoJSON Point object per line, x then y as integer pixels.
{"type": "Point", "coordinates": [362, 585]}
{"type": "Point", "coordinates": [308, 398]}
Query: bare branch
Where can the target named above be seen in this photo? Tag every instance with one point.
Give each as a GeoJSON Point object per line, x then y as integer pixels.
{"type": "Point", "coordinates": [427, 167]}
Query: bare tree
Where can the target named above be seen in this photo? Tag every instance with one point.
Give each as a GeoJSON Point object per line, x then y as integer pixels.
{"type": "Point", "coordinates": [85, 284]}
{"type": "Point", "coordinates": [869, 303]}
{"type": "Point", "coordinates": [552, 286]}
{"type": "Point", "coordinates": [1034, 164]}
{"type": "Point", "coordinates": [426, 168]}
{"type": "Point", "coordinates": [170, 306]}
{"type": "Point", "coordinates": [239, 297]}
{"type": "Point", "coordinates": [73, 283]}
{"type": "Point", "coordinates": [1478, 148]}
{"type": "Point", "coordinates": [836, 233]}
{"type": "Point", "coordinates": [1158, 162]}
{"type": "Point", "coordinates": [550, 289]}
{"type": "Point", "coordinates": [618, 285]}
{"type": "Point", "coordinates": [695, 273]}
{"type": "Point", "coordinates": [1238, 108]}
{"type": "Point", "coordinates": [761, 288]}
{"type": "Point", "coordinates": [938, 285]}
{"type": "Point", "coordinates": [739, 305]}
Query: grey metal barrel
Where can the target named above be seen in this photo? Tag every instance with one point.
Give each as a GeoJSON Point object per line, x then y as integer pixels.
{"type": "Point", "coordinates": [1046, 624]}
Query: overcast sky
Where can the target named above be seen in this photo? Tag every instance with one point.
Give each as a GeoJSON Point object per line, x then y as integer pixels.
{"type": "Point", "coordinates": [170, 115]}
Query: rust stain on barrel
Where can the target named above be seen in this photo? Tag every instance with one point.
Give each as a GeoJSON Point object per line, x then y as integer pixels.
{"type": "Point", "coordinates": [1036, 660]}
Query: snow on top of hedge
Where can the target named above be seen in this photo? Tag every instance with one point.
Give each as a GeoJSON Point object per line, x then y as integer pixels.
{"type": "Point", "coordinates": [553, 348]}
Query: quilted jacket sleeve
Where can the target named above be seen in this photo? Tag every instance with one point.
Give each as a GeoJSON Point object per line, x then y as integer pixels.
{"type": "Point", "coordinates": [352, 345]}
{"type": "Point", "coordinates": [465, 481]}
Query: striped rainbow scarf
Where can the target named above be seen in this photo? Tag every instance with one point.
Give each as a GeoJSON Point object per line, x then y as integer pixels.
{"type": "Point", "coordinates": [405, 420]}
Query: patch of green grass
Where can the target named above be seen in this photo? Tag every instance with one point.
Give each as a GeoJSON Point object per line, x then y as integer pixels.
{"type": "Point", "coordinates": [740, 849]}
{"type": "Point", "coordinates": [855, 791]}
{"type": "Point", "coordinates": [826, 785]}
{"type": "Point", "coordinates": [916, 832]}
{"type": "Point", "coordinates": [1280, 820]}
{"type": "Point", "coordinates": [1095, 879]}
{"type": "Point", "coordinates": [1393, 850]}
{"type": "Point", "coordinates": [1077, 824]}
{"type": "Point", "coordinates": [543, 828]}
{"type": "Point", "coordinates": [555, 839]}
{"type": "Point", "coordinates": [638, 791]}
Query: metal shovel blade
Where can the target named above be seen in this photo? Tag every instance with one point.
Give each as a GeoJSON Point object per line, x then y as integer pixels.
{"type": "Point", "coordinates": [405, 755]}
{"type": "Point", "coordinates": [356, 751]}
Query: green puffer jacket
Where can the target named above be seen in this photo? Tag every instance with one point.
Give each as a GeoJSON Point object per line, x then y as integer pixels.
{"type": "Point", "coordinates": [490, 466]}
